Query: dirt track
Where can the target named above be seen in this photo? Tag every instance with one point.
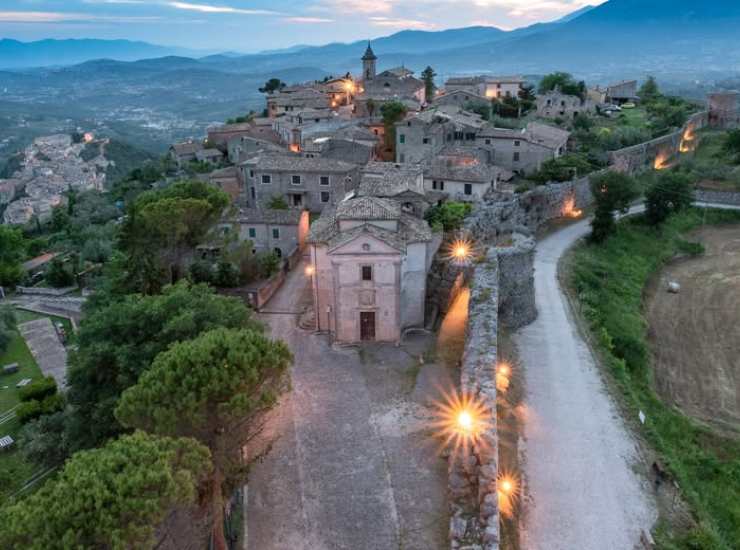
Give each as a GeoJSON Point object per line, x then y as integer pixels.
{"type": "Point", "coordinates": [695, 335]}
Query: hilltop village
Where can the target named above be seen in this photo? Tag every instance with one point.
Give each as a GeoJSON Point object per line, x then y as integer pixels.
{"type": "Point", "coordinates": [369, 156]}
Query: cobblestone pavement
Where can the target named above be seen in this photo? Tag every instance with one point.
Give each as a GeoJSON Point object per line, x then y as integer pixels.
{"type": "Point", "coordinates": [355, 466]}
{"type": "Point", "coordinates": [46, 348]}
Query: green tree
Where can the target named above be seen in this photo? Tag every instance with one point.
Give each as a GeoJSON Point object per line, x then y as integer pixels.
{"type": "Point", "coordinates": [58, 274]}
{"type": "Point", "coordinates": [114, 497]}
{"type": "Point", "coordinates": [164, 227]}
{"type": "Point", "coordinates": [427, 76]}
{"type": "Point", "coordinates": [119, 341]}
{"type": "Point", "coordinates": [448, 216]}
{"type": "Point", "coordinates": [277, 202]}
{"type": "Point", "coordinates": [564, 82]}
{"type": "Point", "coordinates": [649, 90]}
{"type": "Point", "coordinates": [7, 326]}
{"type": "Point", "coordinates": [563, 168]}
{"type": "Point", "coordinates": [731, 145]}
{"type": "Point", "coordinates": [60, 219]}
{"type": "Point", "coordinates": [12, 251]}
{"type": "Point", "coordinates": [215, 389]}
{"type": "Point", "coordinates": [670, 193]}
{"type": "Point", "coordinates": [613, 192]}
{"type": "Point", "coordinates": [392, 112]}
{"type": "Point", "coordinates": [272, 85]}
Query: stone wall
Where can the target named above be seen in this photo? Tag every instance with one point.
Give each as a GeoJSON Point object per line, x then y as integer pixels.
{"type": "Point", "coordinates": [719, 197]}
{"type": "Point", "coordinates": [659, 152]}
{"type": "Point", "coordinates": [473, 498]}
{"type": "Point", "coordinates": [516, 302]}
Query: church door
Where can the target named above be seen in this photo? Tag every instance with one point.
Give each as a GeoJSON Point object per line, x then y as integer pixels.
{"type": "Point", "coordinates": [367, 326]}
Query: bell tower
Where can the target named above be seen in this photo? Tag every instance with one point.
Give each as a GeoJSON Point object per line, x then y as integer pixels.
{"type": "Point", "coordinates": [368, 64]}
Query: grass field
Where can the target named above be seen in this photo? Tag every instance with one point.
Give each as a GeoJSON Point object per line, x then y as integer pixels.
{"type": "Point", "coordinates": [710, 165]}
{"type": "Point", "coordinates": [608, 281]}
{"type": "Point", "coordinates": [14, 471]}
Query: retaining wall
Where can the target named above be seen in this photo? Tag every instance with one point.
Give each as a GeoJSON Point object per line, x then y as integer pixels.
{"type": "Point", "coordinates": [643, 156]}
{"type": "Point", "coordinates": [473, 498]}
{"type": "Point", "coordinates": [721, 197]}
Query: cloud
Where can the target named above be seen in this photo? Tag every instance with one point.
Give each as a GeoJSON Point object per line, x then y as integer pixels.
{"type": "Point", "coordinates": [399, 23]}
{"type": "Point", "coordinates": [310, 20]}
{"type": "Point", "coordinates": [63, 17]}
{"type": "Point", "coordinates": [362, 7]}
{"type": "Point", "coordinates": [208, 8]}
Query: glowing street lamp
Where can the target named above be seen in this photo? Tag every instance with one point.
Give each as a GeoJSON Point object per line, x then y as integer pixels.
{"type": "Point", "coordinates": [460, 251]}
{"type": "Point", "coordinates": [507, 488]}
{"type": "Point", "coordinates": [310, 270]}
{"type": "Point", "coordinates": [461, 421]}
{"type": "Point", "coordinates": [503, 377]}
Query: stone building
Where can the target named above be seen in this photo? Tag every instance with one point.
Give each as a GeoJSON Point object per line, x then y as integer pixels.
{"type": "Point", "coordinates": [375, 89]}
{"type": "Point", "coordinates": [296, 98]}
{"type": "Point", "coordinates": [523, 151]}
{"type": "Point", "coordinates": [460, 177]}
{"type": "Point", "coordinates": [209, 156]}
{"type": "Point", "coordinates": [241, 148]}
{"type": "Point", "coordinates": [490, 87]}
{"type": "Point", "coordinates": [280, 231]}
{"type": "Point", "coordinates": [463, 99]}
{"type": "Point", "coordinates": [403, 183]}
{"type": "Point", "coordinates": [370, 262]}
{"type": "Point", "coordinates": [622, 92]}
{"type": "Point", "coordinates": [420, 136]}
{"type": "Point", "coordinates": [310, 183]}
{"type": "Point", "coordinates": [227, 180]}
{"type": "Point", "coordinates": [184, 153]}
{"type": "Point", "coordinates": [258, 128]}
{"type": "Point", "coordinates": [555, 104]}
{"type": "Point", "coordinates": [724, 110]}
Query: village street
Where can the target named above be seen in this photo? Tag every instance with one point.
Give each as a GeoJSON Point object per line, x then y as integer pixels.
{"type": "Point", "coordinates": [354, 465]}
{"type": "Point", "coordinates": [582, 490]}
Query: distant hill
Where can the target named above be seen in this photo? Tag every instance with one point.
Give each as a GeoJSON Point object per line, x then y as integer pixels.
{"type": "Point", "coordinates": [15, 54]}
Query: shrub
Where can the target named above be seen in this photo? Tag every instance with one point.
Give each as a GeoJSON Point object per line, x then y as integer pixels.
{"type": "Point", "coordinates": [612, 192]}
{"type": "Point", "coordinates": [7, 326]}
{"type": "Point", "coordinates": [201, 271]}
{"type": "Point", "coordinates": [38, 390]}
{"type": "Point", "coordinates": [57, 275]}
{"type": "Point", "coordinates": [449, 215]}
{"type": "Point", "coordinates": [277, 202]}
{"type": "Point", "coordinates": [670, 193]}
{"type": "Point", "coordinates": [227, 275]}
{"type": "Point", "coordinates": [269, 263]}
{"type": "Point", "coordinates": [29, 410]}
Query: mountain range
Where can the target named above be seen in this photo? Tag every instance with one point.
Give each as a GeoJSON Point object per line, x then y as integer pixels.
{"type": "Point", "coordinates": [614, 38]}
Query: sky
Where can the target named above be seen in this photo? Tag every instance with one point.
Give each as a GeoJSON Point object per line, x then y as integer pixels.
{"type": "Point", "coordinates": [256, 25]}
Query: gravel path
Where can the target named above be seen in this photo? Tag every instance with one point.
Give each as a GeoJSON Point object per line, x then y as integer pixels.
{"type": "Point", "coordinates": [581, 490]}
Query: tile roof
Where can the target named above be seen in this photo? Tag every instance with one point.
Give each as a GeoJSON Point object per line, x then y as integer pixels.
{"type": "Point", "coordinates": [387, 179]}
{"type": "Point", "coordinates": [368, 208]}
{"type": "Point", "coordinates": [187, 148]}
{"type": "Point", "coordinates": [295, 163]}
{"type": "Point", "coordinates": [291, 216]}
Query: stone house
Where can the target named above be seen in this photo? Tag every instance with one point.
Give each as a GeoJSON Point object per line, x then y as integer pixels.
{"type": "Point", "coordinates": [622, 92]}
{"type": "Point", "coordinates": [555, 104]}
{"type": "Point", "coordinates": [241, 148]}
{"type": "Point", "coordinates": [304, 182]}
{"type": "Point", "coordinates": [523, 151]}
{"type": "Point", "coordinates": [227, 180]}
{"type": "Point", "coordinates": [724, 110]}
{"type": "Point", "coordinates": [184, 153]}
{"type": "Point", "coordinates": [463, 99]}
{"type": "Point", "coordinates": [210, 156]}
{"type": "Point", "coordinates": [300, 98]}
{"type": "Point", "coordinates": [490, 87]}
{"type": "Point", "coordinates": [258, 128]}
{"type": "Point", "coordinates": [420, 136]}
{"type": "Point", "coordinates": [464, 180]}
{"type": "Point", "coordinates": [370, 262]}
{"type": "Point", "coordinates": [403, 183]}
{"type": "Point", "coordinates": [280, 231]}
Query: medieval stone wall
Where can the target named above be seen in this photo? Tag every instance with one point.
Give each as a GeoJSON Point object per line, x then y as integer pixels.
{"type": "Point", "coordinates": [719, 197]}
{"type": "Point", "coordinates": [474, 516]}
{"type": "Point", "coordinates": [659, 152]}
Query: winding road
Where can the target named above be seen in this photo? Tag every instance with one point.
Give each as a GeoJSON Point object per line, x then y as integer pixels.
{"type": "Point", "coordinates": [581, 488]}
